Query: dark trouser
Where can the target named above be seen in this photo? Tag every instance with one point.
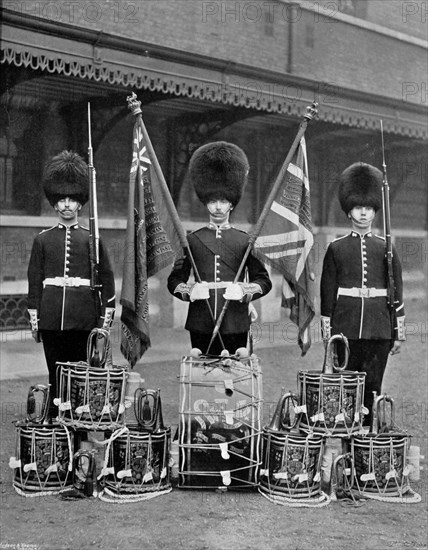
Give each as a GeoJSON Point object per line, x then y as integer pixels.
{"type": "Point", "coordinates": [62, 346]}
{"type": "Point", "coordinates": [231, 342]}
{"type": "Point", "coordinates": [369, 356]}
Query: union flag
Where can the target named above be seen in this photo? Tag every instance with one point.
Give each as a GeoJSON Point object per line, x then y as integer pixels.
{"type": "Point", "coordinates": [150, 245]}
{"type": "Point", "coordinates": [286, 240]}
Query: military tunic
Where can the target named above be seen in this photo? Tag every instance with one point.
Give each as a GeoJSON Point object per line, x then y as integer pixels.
{"type": "Point", "coordinates": [354, 303]}
{"type": "Point", "coordinates": [63, 252]}
{"type": "Point", "coordinates": [358, 262]}
{"type": "Point", "coordinates": [218, 252]}
{"type": "Point", "coordinates": [59, 290]}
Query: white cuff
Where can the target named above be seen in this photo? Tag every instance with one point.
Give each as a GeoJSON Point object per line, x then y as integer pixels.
{"type": "Point", "coordinates": [108, 317]}
{"type": "Point", "coordinates": [325, 327]}
{"type": "Point", "coordinates": [33, 319]}
{"type": "Point", "coordinates": [184, 290]}
{"type": "Point", "coordinates": [249, 289]}
{"type": "Point", "coordinates": [401, 328]}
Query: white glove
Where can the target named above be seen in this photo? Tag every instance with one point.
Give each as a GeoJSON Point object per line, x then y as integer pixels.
{"type": "Point", "coordinates": [200, 291]}
{"type": "Point", "coordinates": [234, 292]}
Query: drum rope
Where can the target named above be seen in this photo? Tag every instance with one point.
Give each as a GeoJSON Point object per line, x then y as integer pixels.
{"type": "Point", "coordinates": [412, 499]}
{"type": "Point", "coordinates": [39, 493]}
{"type": "Point", "coordinates": [106, 495]}
{"type": "Point", "coordinates": [315, 502]}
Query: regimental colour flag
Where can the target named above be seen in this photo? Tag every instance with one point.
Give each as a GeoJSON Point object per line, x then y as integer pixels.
{"type": "Point", "coordinates": [150, 245]}
{"type": "Point", "coordinates": [285, 242]}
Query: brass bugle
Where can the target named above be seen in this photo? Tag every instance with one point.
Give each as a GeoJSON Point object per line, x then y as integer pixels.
{"type": "Point", "coordinates": [331, 360]}
{"type": "Point", "coordinates": [379, 424]}
{"type": "Point", "coordinates": [281, 420]}
{"type": "Point", "coordinates": [148, 409]}
{"type": "Point", "coordinates": [32, 416]}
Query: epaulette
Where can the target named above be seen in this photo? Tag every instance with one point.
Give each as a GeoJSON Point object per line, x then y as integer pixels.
{"type": "Point", "coordinates": [380, 237]}
{"type": "Point", "coordinates": [84, 227]}
{"type": "Point", "coordinates": [48, 229]}
{"type": "Point", "coordinates": [340, 238]}
{"type": "Point", "coordinates": [241, 230]}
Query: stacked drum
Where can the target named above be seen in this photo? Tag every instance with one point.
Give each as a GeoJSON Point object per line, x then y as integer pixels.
{"type": "Point", "coordinates": [92, 401]}
{"type": "Point", "coordinates": [291, 467]}
{"type": "Point", "coordinates": [136, 465]}
{"type": "Point", "coordinates": [44, 452]}
{"type": "Point", "coordinates": [325, 452]}
{"type": "Point", "coordinates": [314, 449]}
{"type": "Point", "coordinates": [91, 398]}
{"type": "Point", "coordinates": [380, 459]}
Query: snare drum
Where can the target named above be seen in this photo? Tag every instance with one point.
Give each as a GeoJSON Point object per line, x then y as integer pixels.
{"type": "Point", "coordinates": [291, 465]}
{"type": "Point", "coordinates": [220, 422]}
{"type": "Point", "coordinates": [136, 464]}
{"type": "Point", "coordinates": [43, 461]}
{"type": "Point", "coordinates": [91, 398]}
{"type": "Point", "coordinates": [331, 404]}
{"type": "Point", "coordinates": [380, 463]}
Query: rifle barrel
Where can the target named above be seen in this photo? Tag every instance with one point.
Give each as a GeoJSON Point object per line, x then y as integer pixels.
{"type": "Point", "coordinates": [387, 231]}
{"type": "Point", "coordinates": [94, 237]}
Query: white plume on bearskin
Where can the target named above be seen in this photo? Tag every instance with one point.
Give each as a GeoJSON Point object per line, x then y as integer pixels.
{"type": "Point", "coordinates": [219, 170]}
{"type": "Point", "coordinates": [360, 185]}
{"type": "Point", "coordinates": [66, 175]}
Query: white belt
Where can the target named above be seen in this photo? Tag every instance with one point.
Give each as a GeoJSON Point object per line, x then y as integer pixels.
{"type": "Point", "coordinates": [356, 292]}
{"type": "Point", "coordinates": [66, 281]}
{"type": "Point", "coordinates": [220, 284]}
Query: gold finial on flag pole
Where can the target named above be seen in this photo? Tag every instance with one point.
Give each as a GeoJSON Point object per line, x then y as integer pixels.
{"type": "Point", "coordinates": [134, 104]}
{"type": "Point", "coordinates": [312, 111]}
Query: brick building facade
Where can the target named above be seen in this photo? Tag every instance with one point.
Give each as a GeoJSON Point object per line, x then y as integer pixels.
{"type": "Point", "coordinates": [242, 71]}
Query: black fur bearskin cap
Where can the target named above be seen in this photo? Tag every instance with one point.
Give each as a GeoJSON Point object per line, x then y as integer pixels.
{"type": "Point", "coordinates": [66, 175]}
{"type": "Point", "coordinates": [219, 170]}
{"type": "Point", "coordinates": [360, 185]}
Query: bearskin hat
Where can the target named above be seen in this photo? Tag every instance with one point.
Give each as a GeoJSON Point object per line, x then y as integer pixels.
{"type": "Point", "coordinates": [219, 170]}
{"type": "Point", "coordinates": [66, 175]}
{"type": "Point", "coordinates": [360, 185]}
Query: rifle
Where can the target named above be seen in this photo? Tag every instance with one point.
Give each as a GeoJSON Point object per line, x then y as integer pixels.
{"type": "Point", "coordinates": [94, 235]}
{"type": "Point", "coordinates": [390, 285]}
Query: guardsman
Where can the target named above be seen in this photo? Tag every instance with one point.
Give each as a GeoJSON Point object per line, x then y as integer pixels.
{"type": "Point", "coordinates": [219, 173]}
{"type": "Point", "coordinates": [353, 283]}
{"type": "Point", "coordinates": [63, 308]}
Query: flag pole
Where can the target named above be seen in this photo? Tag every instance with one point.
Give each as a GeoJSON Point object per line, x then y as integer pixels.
{"type": "Point", "coordinates": [311, 112]}
{"type": "Point", "coordinates": [135, 106]}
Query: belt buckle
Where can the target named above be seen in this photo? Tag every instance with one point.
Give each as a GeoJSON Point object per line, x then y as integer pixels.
{"type": "Point", "coordinates": [71, 281]}
{"type": "Point", "coordinates": [364, 293]}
